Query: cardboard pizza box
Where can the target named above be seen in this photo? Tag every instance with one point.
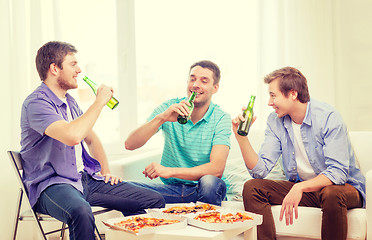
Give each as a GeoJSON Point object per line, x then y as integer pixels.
{"type": "Point", "coordinates": [257, 220]}
{"type": "Point", "coordinates": [173, 226]}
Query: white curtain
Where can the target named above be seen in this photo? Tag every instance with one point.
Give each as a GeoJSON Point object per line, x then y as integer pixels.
{"type": "Point", "coordinates": [298, 34]}
{"type": "Point", "coordinates": [23, 26]}
{"type": "Point", "coordinates": [330, 42]}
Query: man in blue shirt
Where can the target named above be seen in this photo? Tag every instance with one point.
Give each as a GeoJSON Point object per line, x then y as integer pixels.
{"type": "Point", "coordinates": [194, 154]}
{"type": "Point", "coordinates": [318, 160]}
{"type": "Point", "coordinates": [61, 178]}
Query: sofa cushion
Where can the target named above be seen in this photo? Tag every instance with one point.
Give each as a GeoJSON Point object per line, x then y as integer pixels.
{"type": "Point", "coordinates": [236, 175]}
{"type": "Point", "coordinates": [308, 224]}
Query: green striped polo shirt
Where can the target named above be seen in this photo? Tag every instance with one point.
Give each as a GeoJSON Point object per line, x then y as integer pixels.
{"type": "Point", "coordinates": [190, 145]}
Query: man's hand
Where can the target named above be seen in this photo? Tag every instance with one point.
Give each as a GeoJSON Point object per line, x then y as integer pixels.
{"type": "Point", "coordinates": [290, 204]}
{"type": "Point", "coordinates": [236, 121]}
{"type": "Point", "coordinates": [104, 94]}
{"type": "Point", "coordinates": [171, 114]}
{"type": "Point", "coordinates": [155, 170]}
{"type": "Point", "coordinates": [111, 178]}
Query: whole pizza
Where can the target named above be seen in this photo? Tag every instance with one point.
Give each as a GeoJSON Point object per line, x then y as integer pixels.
{"type": "Point", "coordinates": [134, 224]}
{"type": "Point", "coordinates": [217, 217]}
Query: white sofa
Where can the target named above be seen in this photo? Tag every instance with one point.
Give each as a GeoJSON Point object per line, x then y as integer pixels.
{"type": "Point", "coordinates": [308, 225]}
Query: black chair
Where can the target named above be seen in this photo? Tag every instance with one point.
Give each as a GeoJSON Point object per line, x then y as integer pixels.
{"type": "Point", "coordinates": [31, 215]}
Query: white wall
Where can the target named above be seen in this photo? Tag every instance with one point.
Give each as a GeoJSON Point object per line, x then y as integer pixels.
{"type": "Point", "coordinates": [298, 34]}
{"type": "Point", "coordinates": [8, 181]}
{"type": "Point", "coordinates": [353, 62]}
{"type": "Point", "coordinates": [331, 43]}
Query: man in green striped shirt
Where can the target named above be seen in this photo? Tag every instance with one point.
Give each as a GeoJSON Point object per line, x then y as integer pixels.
{"type": "Point", "coordinates": [194, 154]}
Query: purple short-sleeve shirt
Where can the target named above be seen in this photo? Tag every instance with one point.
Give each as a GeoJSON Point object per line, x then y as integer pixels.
{"type": "Point", "coordinates": [47, 161]}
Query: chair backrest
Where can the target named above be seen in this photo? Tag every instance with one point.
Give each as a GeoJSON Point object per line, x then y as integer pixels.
{"type": "Point", "coordinates": [16, 161]}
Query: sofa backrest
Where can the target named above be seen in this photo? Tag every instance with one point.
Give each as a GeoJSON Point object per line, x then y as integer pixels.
{"type": "Point", "coordinates": [361, 142]}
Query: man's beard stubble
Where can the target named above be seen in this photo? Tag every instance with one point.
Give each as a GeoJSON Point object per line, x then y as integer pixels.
{"type": "Point", "coordinates": [63, 84]}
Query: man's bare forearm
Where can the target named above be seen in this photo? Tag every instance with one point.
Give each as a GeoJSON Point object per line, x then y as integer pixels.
{"type": "Point", "coordinates": [141, 135]}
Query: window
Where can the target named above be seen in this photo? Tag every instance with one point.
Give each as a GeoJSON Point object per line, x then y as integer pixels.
{"type": "Point", "coordinates": [93, 32]}
{"type": "Point", "coordinates": [169, 36]}
{"type": "Point", "coordinates": [172, 35]}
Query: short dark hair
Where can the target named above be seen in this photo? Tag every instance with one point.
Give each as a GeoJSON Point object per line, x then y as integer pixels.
{"type": "Point", "coordinates": [290, 78]}
{"type": "Point", "coordinates": [52, 52]}
{"type": "Point", "coordinates": [211, 66]}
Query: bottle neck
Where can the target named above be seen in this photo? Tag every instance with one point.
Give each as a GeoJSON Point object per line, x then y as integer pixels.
{"type": "Point", "coordinates": [251, 103]}
{"type": "Point", "coordinates": [192, 97]}
{"type": "Point", "coordinates": [91, 84]}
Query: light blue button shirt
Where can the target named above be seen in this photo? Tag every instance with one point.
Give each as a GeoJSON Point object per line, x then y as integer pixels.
{"type": "Point", "coordinates": [190, 145]}
{"type": "Point", "coordinates": [326, 142]}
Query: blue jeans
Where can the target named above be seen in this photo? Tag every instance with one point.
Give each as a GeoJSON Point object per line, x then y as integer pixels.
{"type": "Point", "coordinates": [67, 204]}
{"type": "Point", "coordinates": [209, 189]}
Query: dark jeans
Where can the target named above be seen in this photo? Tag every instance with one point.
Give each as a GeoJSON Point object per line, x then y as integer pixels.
{"type": "Point", "coordinates": [67, 204]}
{"type": "Point", "coordinates": [210, 189]}
{"type": "Point", "coordinates": [334, 200]}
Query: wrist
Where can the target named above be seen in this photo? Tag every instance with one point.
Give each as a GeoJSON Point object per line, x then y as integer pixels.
{"type": "Point", "coordinates": [99, 104]}
{"type": "Point", "coordinates": [160, 119]}
{"type": "Point", "coordinates": [241, 138]}
{"type": "Point", "coordinates": [105, 171]}
{"type": "Point", "coordinates": [300, 186]}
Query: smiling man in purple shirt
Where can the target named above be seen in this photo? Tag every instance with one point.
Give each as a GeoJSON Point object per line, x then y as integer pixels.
{"type": "Point", "coordinates": [61, 178]}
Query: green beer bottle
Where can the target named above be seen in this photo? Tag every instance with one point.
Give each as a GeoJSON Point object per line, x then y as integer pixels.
{"type": "Point", "coordinates": [113, 101]}
{"type": "Point", "coordinates": [183, 119]}
{"type": "Point", "coordinates": [248, 116]}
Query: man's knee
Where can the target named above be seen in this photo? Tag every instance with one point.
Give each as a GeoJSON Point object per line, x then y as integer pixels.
{"type": "Point", "coordinates": [82, 211]}
{"type": "Point", "coordinates": [251, 186]}
{"type": "Point", "coordinates": [332, 197]}
{"type": "Point", "coordinates": [210, 183]}
{"type": "Point", "coordinates": [159, 201]}
{"type": "Point", "coordinates": [208, 179]}
{"type": "Point", "coordinates": [211, 189]}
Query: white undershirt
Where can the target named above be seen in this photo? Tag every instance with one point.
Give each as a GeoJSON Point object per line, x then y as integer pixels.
{"type": "Point", "coordinates": [304, 169]}
{"type": "Point", "coordinates": [78, 148]}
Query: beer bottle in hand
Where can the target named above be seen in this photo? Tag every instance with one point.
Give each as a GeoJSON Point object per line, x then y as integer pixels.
{"type": "Point", "coordinates": [183, 119]}
{"type": "Point", "coordinates": [113, 101]}
{"type": "Point", "coordinates": [248, 116]}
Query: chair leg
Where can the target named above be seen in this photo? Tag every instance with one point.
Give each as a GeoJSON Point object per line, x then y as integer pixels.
{"type": "Point", "coordinates": [99, 236]}
{"type": "Point", "coordinates": [16, 220]}
{"type": "Point", "coordinates": [40, 228]}
{"type": "Point", "coordinates": [63, 231]}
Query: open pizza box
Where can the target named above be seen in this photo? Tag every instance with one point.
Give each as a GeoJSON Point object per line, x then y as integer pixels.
{"type": "Point", "coordinates": [173, 226]}
{"type": "Point", "coordinates": [257, 220]}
